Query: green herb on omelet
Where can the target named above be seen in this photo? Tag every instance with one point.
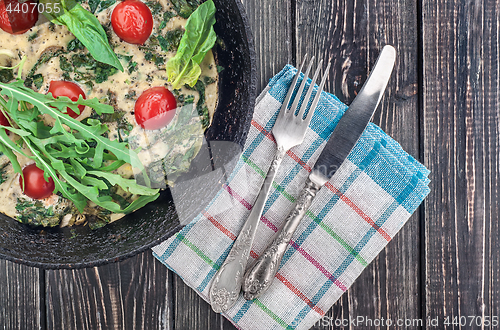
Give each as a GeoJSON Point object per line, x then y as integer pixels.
{"type": "Point", "coordinates": [185, 8]}
{"type": "Point", "coordinates": [6, 75]}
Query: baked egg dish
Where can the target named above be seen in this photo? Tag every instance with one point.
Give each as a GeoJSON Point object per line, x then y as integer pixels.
{"type": "Point", "coordinates": [102, 105]}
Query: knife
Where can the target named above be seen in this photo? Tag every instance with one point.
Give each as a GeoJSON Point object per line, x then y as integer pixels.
{"type": "Point", "coordinates": [344, 137]}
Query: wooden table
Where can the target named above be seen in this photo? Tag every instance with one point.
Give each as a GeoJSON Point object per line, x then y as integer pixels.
{"type": "Point", "coordinates": [442, 105]}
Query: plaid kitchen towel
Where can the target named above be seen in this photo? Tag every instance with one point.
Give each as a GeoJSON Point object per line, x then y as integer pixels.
{"type": "Point", "coordinates": [350, 221]}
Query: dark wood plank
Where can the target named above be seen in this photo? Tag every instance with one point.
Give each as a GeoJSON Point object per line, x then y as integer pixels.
{"type": "Point", "coordinates": [271, 24]}
{"type": "Point", "coordinates": [352, 34]}
{"type": "Point", "coordinates": [132, 294]}
{"type": "Point", "coordinates": [192, 312]}
{"type": "Point", "coordinates": [461, 129]}
{"type": "Point", "coordinates": [21, 304]}
{"type": "Point", "coordinates": [490, 145]}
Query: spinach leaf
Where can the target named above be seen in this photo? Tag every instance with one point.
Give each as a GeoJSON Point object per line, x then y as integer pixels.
{"type": "Point", "coordinates": [2, 173]}
{"type": "Point", "coordinates": [74, 45]}
{"type": "Point", "coordinates": [93, 4]}
{"type": "Point", "coordinates": [6, 75]}
{"type": "Point", "coordinates": [200, 105]}
{"type": "Point", "coordinates": [166, 17]}
{"type": "Point", "coordinates": [155, 7]}
{"type": "Point", "coordinates": [132, 66]}
{"type": "Point", "coordinates": [171, 40]}
{"type": "Point", "coordinates": [38, 80]}
{"type": "Point", "coordinates": [105, 4]}
{"type": "Point", "coordinates": [35, 214]}
{"type": "Point", "coordinates": [33, 36]}
{"type": "Point", "coordinates": [47, 54]}
{"type": "Point", "coordinates": [87, 29]}
{"type": "Point", "coordinates": [198, 39]}
{"type": "Point", "coordinates": [185, 8]}
{"type": "Point", "coordinates": [156, 58]}
{"type": "Point", "coordinates": [93, 70]}
{"type": "Point", "coordinates": [64, 64]}
{"type": "Point", "coordinates": [96, 6]}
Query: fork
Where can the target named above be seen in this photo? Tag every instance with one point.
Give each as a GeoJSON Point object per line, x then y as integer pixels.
{"type": "Point", "coordinates": [288, 131]}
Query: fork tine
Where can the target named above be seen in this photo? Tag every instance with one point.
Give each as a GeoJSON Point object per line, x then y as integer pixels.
{"type": "Point", "coordinates": [291, 89]}
{"type": "Point", "coordinates": [301, 88]}
{"type": "Point", "coordinates": [309, 92]}
{"type": "Point", "coordinates": [318, 94]}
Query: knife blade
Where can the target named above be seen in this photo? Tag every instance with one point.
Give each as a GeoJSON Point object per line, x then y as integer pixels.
{"type": "Point", "coordinates": [344, 137]}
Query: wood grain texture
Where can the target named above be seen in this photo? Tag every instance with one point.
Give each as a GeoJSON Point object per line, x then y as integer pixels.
{"type": "Point", "coordinates": [490, 79]}
{"type": "Point", "coordinates": [21, 303]}
{"type": "Point", "coordinates": [271, 24]}
{"type": "Point", "coordinates": [461, 129]}
{"type": "Point", "coordinates": [352, 34]}
{"type": "Point", "coordinates": [132, 294]}
{"type": "Point", "coordinates": [192, 312]}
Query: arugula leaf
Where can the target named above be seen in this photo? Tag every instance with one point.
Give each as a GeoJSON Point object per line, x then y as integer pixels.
{"type": "Point", "coordinates": [52, 170]}
{"type": "Point", "coordinates": [198, 39]}
{"type": "Point", "coordinates": [8, 151]}
{"type": "Point", "coordinates": [74, 159]}
{"type": "Point", "coordinates": [128, 185]}
{"type": "Point", "coordinates": [86, 28]}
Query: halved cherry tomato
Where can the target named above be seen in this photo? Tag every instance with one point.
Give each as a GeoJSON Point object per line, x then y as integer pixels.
{"type": "Point", "coordinates": [3, 120]}
{"type": "Point", "coordinates": [155, 108]}
{"type": "Point", "coordinates": [132, 21]}
{"type": "Point", "coordinates": [69, 89]}
{"type": "Point", "coordinates": [17, 18]}
{"type": "Point", "coordinates": [36, 187]}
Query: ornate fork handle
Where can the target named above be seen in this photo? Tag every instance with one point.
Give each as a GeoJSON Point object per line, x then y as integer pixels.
{"type": "Point", "coordinates": [260, 276]}
{"type": "Point", "coordinates": [227, 282]}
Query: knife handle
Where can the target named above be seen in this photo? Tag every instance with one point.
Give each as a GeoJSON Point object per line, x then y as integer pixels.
{"type": "Point", "coordinates": [227, 282]}
{"type": "Point", "coordinates": [259, 278]}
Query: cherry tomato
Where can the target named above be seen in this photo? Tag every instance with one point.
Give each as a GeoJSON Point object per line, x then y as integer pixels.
{"type": "Point", "coordinates": [155, 108]}
{"type": "Point", "coordinates": [17, 18]}
{"type": "Point", "coordinates": [36, 187]}
{"type": "Point", "coordinates": [69, 89]}
{"type": "Point", "coordinates": [3, 120]}
{"type": "Point", "coordinates": [132, 21]}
